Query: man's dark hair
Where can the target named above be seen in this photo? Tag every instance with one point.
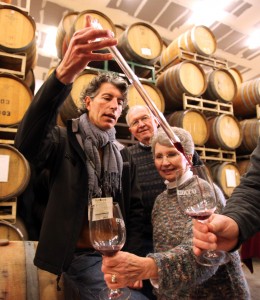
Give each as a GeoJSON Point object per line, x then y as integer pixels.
{"type": "Point", "coordinates": [93, 87]}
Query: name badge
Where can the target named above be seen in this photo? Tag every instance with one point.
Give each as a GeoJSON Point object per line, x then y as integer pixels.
{"type": "Point", "coordinates": [102, 208]}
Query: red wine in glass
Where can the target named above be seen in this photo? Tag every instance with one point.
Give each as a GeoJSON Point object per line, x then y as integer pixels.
{"type": "Point", "coordinates": [108, 235]}
{"type": "Point", "coordinates": [197, 198]}
{"type": "Point", "coordinates": [107, 251]}
{"type": "Point", "coordinates": [200, 215]}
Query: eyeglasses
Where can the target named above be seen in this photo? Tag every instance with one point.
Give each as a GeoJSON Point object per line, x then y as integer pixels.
{"type": "Point", "coordinates": [145, 119]}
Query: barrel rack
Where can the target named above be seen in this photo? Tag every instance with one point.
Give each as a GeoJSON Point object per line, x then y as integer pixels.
{"type": "Point", "coordinates": [207, 106]}
{"type": "Point", "coordinates": [8, 210]}
{"type": "Point", "coordinates": [191, 56]}
{"type": "Point", "coordinates": [18, 60]}
{"type": "Point", "coordinates": [25, 8]}
{"type": "Point", "coordinates": [111, 65]}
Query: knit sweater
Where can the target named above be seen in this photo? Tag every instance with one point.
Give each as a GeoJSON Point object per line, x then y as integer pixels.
{"type": "Point", "coordinates": [179, 275]}
{"type": "Point", "coordinates": [150, 182]}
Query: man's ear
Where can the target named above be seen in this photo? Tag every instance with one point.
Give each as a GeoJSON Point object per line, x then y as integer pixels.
{"type": "Point", "coordinates": [87, 101]}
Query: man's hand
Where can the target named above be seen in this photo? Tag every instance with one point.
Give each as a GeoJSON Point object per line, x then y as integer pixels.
{"type": "Point", "coordinates": [80, 51]}
{"type": "Point", "coordinates": [221, 232]}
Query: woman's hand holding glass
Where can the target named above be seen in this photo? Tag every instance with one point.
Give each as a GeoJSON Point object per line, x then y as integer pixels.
{"type": "Point", "coordinates": [131, 269]}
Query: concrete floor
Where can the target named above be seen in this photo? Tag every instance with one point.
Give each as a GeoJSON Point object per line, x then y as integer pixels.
{"type": "Point", "coordinates": [253, 279]}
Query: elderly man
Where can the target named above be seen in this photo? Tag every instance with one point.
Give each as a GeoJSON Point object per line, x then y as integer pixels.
{"type": "Point", "coordinates": [143, 125]}
{"type": "Point", "coordinates": [83, 162]}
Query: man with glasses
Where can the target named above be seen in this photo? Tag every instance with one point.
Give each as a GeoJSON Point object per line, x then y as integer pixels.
{"type": "Point", "coordinates": [143, 125]}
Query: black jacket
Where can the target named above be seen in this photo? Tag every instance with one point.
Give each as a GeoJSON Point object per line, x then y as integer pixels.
{"type": "Point", "coordinates": [57, 149]}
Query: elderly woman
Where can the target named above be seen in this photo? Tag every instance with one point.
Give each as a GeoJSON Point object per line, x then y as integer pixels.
{"type": "Point", "coordinates": [173, 269]}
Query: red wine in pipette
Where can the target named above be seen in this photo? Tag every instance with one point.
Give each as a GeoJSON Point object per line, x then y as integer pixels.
{"type": "Point", "coordinates": [179, 147]}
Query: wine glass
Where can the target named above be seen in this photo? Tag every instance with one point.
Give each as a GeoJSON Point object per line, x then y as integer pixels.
{"type": "Point", "coordinates": [108, 235]}
{"type": "Point", "coordinates": [197, 197]}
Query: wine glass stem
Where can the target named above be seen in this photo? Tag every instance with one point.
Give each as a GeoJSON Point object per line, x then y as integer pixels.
{"type": "Point", "coordinates": [113, 294]}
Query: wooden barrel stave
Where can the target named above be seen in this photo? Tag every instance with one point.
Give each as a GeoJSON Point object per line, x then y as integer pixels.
{"type": "Point", "coordinates": [250, 129]}
{"type": "Point", "coordinates": [15, 99]}
{"type": "Point", "coordinates": [194, 122]}
{"type": "Point", "coordinates": [187, 77]}
{"type": "Point", "coordinates": [247, 98]}
{"type": "Point", "coordinates": [20, 279]}
{"type": "Point", "coordinates": [63, 35]}
{"type": "Point", "coordinates": [134, 97]}
{"type": "Point", "coordinates": [226, 176]}
{"type": "Point", "coordinates": [199, 39]}
{"type": "Point", "coordinates": [18, 37]}
{"type": "Point", "coordinates": [18, 173]}
{"type": "Point", "coordinates": [221, 85]}
{"type": "Point", "coordinates": [224, 132]}
{"type": "Point", "coordinates": [140, 43]}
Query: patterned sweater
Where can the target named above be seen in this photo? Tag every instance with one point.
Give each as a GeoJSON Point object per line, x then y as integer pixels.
{"type": "Point", "coordinates": [150, 182]}
{"type": "Point", "coordinates": [180, 276]}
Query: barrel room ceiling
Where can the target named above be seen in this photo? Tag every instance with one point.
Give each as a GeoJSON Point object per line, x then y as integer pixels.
{"type": "Point", "coordinates": [233, 22]}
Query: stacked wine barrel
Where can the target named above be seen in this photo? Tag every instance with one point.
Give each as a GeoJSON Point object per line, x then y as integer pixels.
{"type": "Point", "coordinates": [17, 82]}
{"type": "Point", "coordinates": [246, 108]}
{"type": "Point", "coordinates": [18, 58]}
{"type": "Point", "coordinates": [188, 70]}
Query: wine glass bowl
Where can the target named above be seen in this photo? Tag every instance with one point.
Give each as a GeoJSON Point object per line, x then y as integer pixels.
{"type": "Point", "coordinates": [108, 236]}
{"type": "Point", "coordinates": [197, 198]}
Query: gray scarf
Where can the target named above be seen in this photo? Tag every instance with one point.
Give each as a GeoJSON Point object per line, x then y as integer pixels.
{"type": "Point", "coordinates": [109, 181]}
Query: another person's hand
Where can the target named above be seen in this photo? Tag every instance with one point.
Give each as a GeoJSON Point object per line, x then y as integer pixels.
{"type": "Point", "coordinates": [80, 51]}
{"type": "Point", "coordinates": [137, 285]}
{"type": "Point", "coordinates": [128, 269]}
{"type": "Point", "coordinates": [221, 232]}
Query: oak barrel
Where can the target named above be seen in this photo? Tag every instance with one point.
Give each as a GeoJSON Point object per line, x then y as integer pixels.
{"type": "Point", "coordinates": [247, 98]}
{"type": "Point", "coordinates": [237, 76]}
{"type": "Point", "coordinates": [102, 19]}
{"type": "Point", "coordinates": [63, 35]}
{"type": "Point", "coordinates": [13, 232]}
{"type": "Point", "coordinates": [140, 43]}
{"type": "Point", "coordinates": [226, 175]}
{"type": "Point", "coordinates": [198, 39]}
{"type": "Point", "coordinates": [194, 122]}
{"type": "Point", "coordinates": [221, 85]}
{"type": "Point", "coordinates": [16, 173]}
{"type": "Point", "coordinates": [243, 166]}
{"type": "Point", "coordinates": [71, 108]}
{"type": "Point", "coordinates": [29, 80]}
{"type": "Point", "coordinates": [15, 98]}
{"type": "Point", "coordinates": [250, 129]}
{"type": "Point", "coordinates": [224, 132]}
{"type": "Point", "coordinates": [17, 37]}
{"type": "Point", "coordinates": [119, 30]}
{"type": "Point", "coordinates": [155, 94]}
{"type": "Point", "coordinates": [187, 77]}
{"type": "Point", "coordinates": [20, 279]}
